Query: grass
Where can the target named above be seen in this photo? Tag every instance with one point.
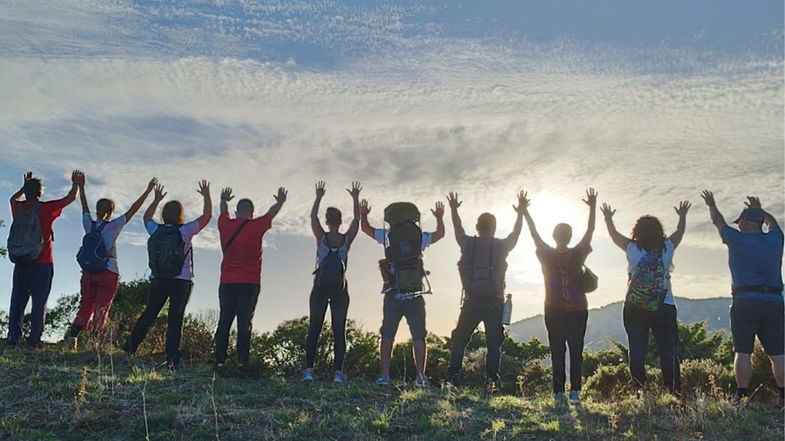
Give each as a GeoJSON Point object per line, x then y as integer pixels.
{"type": "Point", "coordinates": [56, 394]}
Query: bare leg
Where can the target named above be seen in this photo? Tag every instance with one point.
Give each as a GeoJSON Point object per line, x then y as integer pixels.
{"type": "Point", "coordinates": [743, 367]}
{"type": "Point", "coordinates": [778, 369]}
{"type": "Point", "coordinates": [420, 354]}
{"type": "Point", "coordinates": [385, 355]}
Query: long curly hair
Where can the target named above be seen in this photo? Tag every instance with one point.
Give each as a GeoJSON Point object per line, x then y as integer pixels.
{"type": "Point", "coordinates": [648, 234]}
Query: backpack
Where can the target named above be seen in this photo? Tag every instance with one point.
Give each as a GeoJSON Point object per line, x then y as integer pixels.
{"type": "Point", "coordinates": [93, 257]}
{"type": "Point", "coordinates": [165, 251]}
{"type": "Point", "coordinates": [25, 238]}
{"type": "Point", "coordinates": [483, 276]}
{"type": "Point", "coordinates": [646, 288]}
{"type": "Point", "coordinates": [404, 248]}
{"type": "Point", "coordinates": [331, 267]}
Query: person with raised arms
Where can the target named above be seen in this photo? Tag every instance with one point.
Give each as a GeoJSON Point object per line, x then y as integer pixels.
{"type": "Point", "coordinates": [566, 307]}
{"type": "Point", "coordinates": [98, 259]}
{"type": "Point", "coordinates": [329, 283]}
{"type": "Point", "coordinates": [649, 303]}
{"type": "Point", "coordinates": [482, 268]}
{"type": "Point", "coordinates": [755, 261]}
{"type": "Point", "coordinates": [241, 268]}
{"type": "Point", "coordinates": [170, 255]}
{"type": "Point", "coordinates": [403, 273]}
{"type": "Point", "coordinates": [30, 250]}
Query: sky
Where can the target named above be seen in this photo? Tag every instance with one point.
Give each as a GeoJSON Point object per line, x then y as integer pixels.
{"type": "Point", "coordinates": [648, 102]}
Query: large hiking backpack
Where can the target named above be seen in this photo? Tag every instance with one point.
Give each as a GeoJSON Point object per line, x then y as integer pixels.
{"type": "Point", "coordinates": [404, 248]}
{"type": "Point", "coordinates": [93, 257]}
{"type": "Point", "coordinates": [647, 286]}
{"type": "Point", "coordinates": [482, 274]}
{"type": "Point", "coordinates": [25, 237]}
{"type": "Point", "coordinates": [165, 251]}
{"type": "Point", "coordinates": [331, 268]}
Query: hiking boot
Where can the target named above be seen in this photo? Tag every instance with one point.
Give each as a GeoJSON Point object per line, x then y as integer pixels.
{"type": "Point", "coordinates": [308, 375]}
{"type": "Point", "coordinates": [71, 343]}
{"type": "Point", "coordinates": [739, 398]}
{"type": "Point", "coordinates": [340, 377]}
{"type": "Point", "coordinates": [34, 344]}
{"type": "Point", "coordinates": [491, 386]}
{"type": "Point", "coordinates": [383, 380]}
{"type": "Point", "coordinates": [558, 397]}
{"type": "Point", "coordinates": [575, 398]}
{"type": "Point", "coordinates": [421, 381]}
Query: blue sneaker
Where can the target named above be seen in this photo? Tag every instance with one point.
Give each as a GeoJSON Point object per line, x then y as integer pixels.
{"type": "Point", "coordinates": [383, 380]}
{"type": "Point", "coordinates": [575, 398]}
{"type": "Point", "coordinates": [308, 375]}
{"type": "Point", "coordinates": [340, 377]}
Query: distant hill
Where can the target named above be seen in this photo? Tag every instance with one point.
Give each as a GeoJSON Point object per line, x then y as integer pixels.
{"type": "Point", "coordinates": [606, 322]}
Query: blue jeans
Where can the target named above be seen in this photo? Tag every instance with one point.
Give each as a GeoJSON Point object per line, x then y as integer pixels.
{"type": "Point", "coordinates": [30, 280]}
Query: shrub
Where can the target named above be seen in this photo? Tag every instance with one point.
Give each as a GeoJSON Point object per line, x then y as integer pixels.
{"type": "Point", "coordinates": [706, 377]}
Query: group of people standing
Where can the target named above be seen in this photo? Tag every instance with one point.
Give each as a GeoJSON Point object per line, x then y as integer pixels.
{"type": "Point", "coordinates": [755, 259]}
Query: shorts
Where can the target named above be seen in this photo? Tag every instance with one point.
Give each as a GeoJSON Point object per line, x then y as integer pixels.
{"type": "Point", "coordinates": [751, 317]}
{"type": "Point", "coordinates": [394, 310]}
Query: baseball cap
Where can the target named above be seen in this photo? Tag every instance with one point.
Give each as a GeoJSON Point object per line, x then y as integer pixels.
{"type": "Point", "coordinates": [751, 214]}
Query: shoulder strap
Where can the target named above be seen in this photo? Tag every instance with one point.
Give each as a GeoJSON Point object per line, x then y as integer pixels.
{"type": "Point", "coordinates": [234, 236]}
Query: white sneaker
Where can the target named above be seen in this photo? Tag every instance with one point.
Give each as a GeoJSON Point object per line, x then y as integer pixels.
{"type": "Point", "coordinates": [575, 397]}
{"type": "Point", "coordinates": [308, 375]}
{"type": "Point", "coordinates": [421, 381]}
{"type": "Point", "coordinates": [383, 380]}
{"type": "Point", "coordinates": [340, 377]}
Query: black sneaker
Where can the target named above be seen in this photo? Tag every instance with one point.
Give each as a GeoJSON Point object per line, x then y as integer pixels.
{"type": "Point", "coordinates": [739, 399]}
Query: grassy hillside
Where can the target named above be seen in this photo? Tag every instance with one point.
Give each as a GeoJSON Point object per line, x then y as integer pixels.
{"type": "Point", "coordinates": [55, 394]}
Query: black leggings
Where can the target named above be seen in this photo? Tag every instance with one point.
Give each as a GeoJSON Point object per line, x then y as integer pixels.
{"type": "Point", "coordinates": [335, 295]}
{"type": "Point", "coordinates": [566, 327]}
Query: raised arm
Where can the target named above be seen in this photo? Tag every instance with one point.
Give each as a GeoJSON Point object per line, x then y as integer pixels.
{"type": "Point", "coordinates": [591, 201]}
{"type": "Point", "coordinates": [80, 183]}
{"type": "Point", "coordinates": [681, 210]}
{"type": "Point", "coordinates": [619, 239]}
{"type": "Point", "coordinates": [280, 198]}
{"type": "Point", "coordinates": [316, 226]}
{"type": "Point", "coordinates": [158, 196]}
{"type": "Point", "coordinates": [139, 201]}
{"type": "Point", "coordinates": [354, 227]}
{"type": "Point", "coordinates": [457, 225]}
{"type": "Point", "coordinates": [18, 195]}
{"type": "Point", "coordinates": [714, 213]}
{"type": "Point", "coordinates": [226, 196]}
{"type": "Point", "coordinates": [76, 176]}
{"type": "Point", "coordinates": [365, 226]}
{"type": "Point", "coordinates": [207, 208]}
{"type": "Point", "coordinates": [512, 238]}
{"type": "Point", "coordinates": [523, 205]}
{"type": "Point", "coordinates": [768, 219]}
{"type": "Point", "coordinates": [438, 212]}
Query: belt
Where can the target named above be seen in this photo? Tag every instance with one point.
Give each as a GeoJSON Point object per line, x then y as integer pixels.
{"type": "Point", "coordinates": [757, 289]}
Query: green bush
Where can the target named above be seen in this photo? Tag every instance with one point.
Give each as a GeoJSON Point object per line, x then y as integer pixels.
{"type": "Point", "coordinates": [706, 377]}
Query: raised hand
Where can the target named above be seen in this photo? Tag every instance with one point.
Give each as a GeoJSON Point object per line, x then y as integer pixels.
{"type": "Point", "coordinates": [226, 194]}
{"type": "Point", "coordinates": [320, 189]}
{"type": "Point", "coordinates": [364, 208]}
{"type": "Point", "coordinates": [439, 210]}
{"type": "Point", "coordinates": [591, 198]}
{"type": "Point", "coordinates": [607, 211]}
{"type": "Point", "coordinates": [204, 188]}
{"type": "Point", "coordinates": [523, 202]}
{"type": "Point", "coordinates": [752, 202]}
{"type": "Point", "coordinates": [77, 178]}
{"type": "Point", "coordinates": [708, 198]}
{"type": "Point", "coordinates": [159, 192]}
{"type": "Point", "coordinates": [28, 176]}
{"type": "Point", "coordinates": [452, 199]}
{"type": "Point", "coordinates": [683, 208]}
{"type": "Point", "coordinates": [151, 185]}
{"type": "Point", "coordinates": [280, 197]}
{"type": "Point", "coordinates": [356, 189]}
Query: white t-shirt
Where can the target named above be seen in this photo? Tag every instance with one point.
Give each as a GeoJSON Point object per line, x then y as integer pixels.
{"type": "Point", "coordinates": [108, 235]}
{"type": "Point", "coordinates": [188, 231]}
{"type": "Point", "coordinates": [381, 237]}
{"type": "Point", "coordinates": [634, 255]}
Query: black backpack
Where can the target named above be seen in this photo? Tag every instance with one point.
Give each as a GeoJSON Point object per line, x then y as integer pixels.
{"type": "Point", "coordinates": [165, 252]}
{"type": "Point", "coordinates": [93, 256]}
{"type": "Point", "coordinates": [482, 276]}
{"type": "Point", "coordinates": [331, 268]}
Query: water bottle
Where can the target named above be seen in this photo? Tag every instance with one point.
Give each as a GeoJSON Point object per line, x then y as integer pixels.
{"type": "Point", "coordinates": [507, 310]}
